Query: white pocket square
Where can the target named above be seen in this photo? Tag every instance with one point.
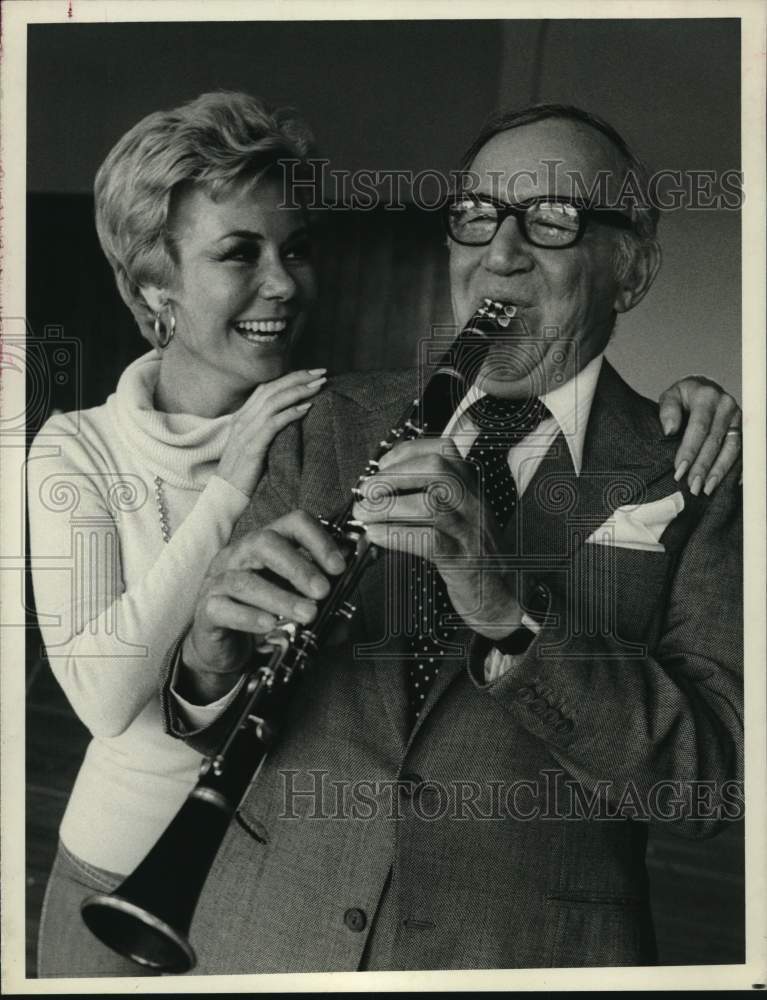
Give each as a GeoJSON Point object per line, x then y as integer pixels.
{"type": "Point", "coordinates": [639, 526]}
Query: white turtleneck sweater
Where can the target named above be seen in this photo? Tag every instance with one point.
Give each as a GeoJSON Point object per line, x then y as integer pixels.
{"type": "Point", "coordinates": [112, 596]}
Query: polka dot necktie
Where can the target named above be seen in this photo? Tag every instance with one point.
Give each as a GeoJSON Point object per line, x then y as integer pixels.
{"type": "Point", "coordinates": [502, 424]}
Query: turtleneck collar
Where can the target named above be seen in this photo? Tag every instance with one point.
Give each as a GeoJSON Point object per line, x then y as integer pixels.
{"type": "Point", "coordinates": [182, 448]}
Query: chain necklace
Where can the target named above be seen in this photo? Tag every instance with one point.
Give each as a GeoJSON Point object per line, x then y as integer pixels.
{"type": "Point", "coordinates": [162, 510]}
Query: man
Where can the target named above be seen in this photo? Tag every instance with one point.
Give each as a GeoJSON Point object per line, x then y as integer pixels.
{"type": "Point", "coordinates": [589, 678]}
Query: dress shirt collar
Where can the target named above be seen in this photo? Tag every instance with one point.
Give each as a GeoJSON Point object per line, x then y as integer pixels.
{"type": "Point", "coordinates": [569, 405]}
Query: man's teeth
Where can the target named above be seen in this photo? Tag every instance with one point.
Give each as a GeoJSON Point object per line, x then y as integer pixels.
{"type": "Point", "coordinates": [256, 329]}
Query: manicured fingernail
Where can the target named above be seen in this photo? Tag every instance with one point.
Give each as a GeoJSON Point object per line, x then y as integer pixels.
{"type": "Point", "coordinates": [711, 484]}
{"type": "Point", "coordinates": [696, 484]}
{"type": "Point", "coordinates": [316, 371]}
{"type": "Point", "coordinates": [681, 469]}
{"type": "Point", "coordinates": [304, 406]}
{"type": "Point", "coordinates": [317, 381]}
{"type": "Point", "coordinates": [305, 610]}
{"type": "Point", "coordinates": [667, 425]}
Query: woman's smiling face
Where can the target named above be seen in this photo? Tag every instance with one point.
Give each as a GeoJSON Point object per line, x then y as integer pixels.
{"type": "Point", "coordinates": [242, 287]}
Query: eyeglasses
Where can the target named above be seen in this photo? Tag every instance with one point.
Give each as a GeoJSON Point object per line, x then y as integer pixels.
{"type": "Point", "coordinates": [545, 221]}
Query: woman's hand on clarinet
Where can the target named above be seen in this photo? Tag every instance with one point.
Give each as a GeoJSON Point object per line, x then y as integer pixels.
{"type": "Point", "coordinates": [244, 594]}
{"type": "Point", "coordinates": [712, 437]}
{"type": "Point", "coordinates": [270, 407]}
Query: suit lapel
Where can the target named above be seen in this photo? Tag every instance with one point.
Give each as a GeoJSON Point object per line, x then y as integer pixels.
{"type": "Point", "coordinates": [385, 645]}
{"type": "Point", "coordinates": [626, 460]}
{"type": "Point", "coordinates": [381, 644]}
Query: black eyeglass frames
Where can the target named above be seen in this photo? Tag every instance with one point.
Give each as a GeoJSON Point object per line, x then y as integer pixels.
{"type": "Point", "coordinates": [550, 221]}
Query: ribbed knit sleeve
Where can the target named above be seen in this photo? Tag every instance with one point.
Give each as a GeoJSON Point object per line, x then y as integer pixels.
{"type": "Point", "coordinates": [105, 641]}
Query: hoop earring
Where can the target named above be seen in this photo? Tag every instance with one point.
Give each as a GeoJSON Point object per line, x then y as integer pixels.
{"type": "Point", "coordinates": [163, 334]}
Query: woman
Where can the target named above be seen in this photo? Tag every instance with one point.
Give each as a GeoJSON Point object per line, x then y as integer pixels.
{"type": "Point", "coordinates": [152, 483]}
{"type": "Point", "coordinates": [145, 489]}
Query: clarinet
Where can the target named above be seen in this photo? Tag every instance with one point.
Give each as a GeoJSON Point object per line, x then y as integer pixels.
{"type": "Point", "coordinates": [148, 916]}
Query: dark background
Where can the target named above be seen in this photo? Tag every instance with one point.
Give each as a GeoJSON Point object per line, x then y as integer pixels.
{"type": "Point", "coordinates": [384, 95]}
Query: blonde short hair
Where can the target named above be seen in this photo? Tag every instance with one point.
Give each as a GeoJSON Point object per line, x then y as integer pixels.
{"type": "Point", "coordinates": [220, 140]}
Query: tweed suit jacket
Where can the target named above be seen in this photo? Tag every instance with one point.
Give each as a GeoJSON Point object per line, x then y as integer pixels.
{"type": "Point", "coordinates": [508, 829]}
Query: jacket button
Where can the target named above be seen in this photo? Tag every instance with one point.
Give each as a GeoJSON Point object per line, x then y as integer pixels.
{"type": "Point", "coordinates": [563, 727]}
{"type": "Point", "coordinates": [525, 694]}
{"type": "Point", "coordinates": [355, 919]}
{"type": "Point", "coordinates": [551, 715]}
{"type": "Point", "coordinates": [409, 782]}
{"type": "Point", "coordinates": [538, 706]}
